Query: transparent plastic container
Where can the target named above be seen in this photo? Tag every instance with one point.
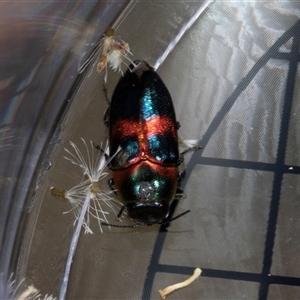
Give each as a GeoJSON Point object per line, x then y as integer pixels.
{"type": "Point", "coordinates": [232, 71]}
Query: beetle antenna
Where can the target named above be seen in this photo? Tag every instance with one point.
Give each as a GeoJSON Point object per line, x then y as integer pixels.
{"type": "Point", "coordinates": [121, 226]}
{"type": "Point", "coordinates": [138, 224]}
{"type": "Point", "coordinates": [106, 93]}
{"type": "Point", "coordinates": [176, 217]}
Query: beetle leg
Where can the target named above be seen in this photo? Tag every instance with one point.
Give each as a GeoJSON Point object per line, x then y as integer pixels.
{"type": "Point", "coordinates": [106, 93]}
{"type": "Point", "coordinates": [196, 148]}
{"type": "Point", "coordinates": [106, 114]}
{"type": "Point", "coordinates": [181, 176]}
{"type": "Point", "coordinates": [100, 149]}
{"type": "Point", "coordinates": [178, 125]}
{"type": "Point", "coordinates": [97, 147]}
{"type": "Point", "coordinates": [120, 213]}
{"type": "Point", "coordinates": [181, 155]}
{"type": "Point", "coordinates": [179, 193]}
{"type": "Point", "coordinates": [111, 184]}
{"type": "Point", "coordinates": [106, 117]}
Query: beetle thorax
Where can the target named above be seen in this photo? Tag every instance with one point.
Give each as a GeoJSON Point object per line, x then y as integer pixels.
{"type": "Point", "coordinates": [145, 191]}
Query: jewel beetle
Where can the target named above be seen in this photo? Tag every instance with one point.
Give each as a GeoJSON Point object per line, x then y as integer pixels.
{"type": "Point", "coordinates": [144, 145]}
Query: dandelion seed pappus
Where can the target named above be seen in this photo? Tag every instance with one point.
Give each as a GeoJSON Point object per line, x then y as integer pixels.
{"type": "Point", "coordinates": [142, 122]}
{"type": "Point", "coordinates": [92, 164]}
{"type": "Point", "coordinates": [17, 290]}
{"type": "Point", "coordinates": [114, 53]}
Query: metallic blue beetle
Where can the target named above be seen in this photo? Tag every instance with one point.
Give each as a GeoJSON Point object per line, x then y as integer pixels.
{"type": "Point", "coordinates": [142, 122]}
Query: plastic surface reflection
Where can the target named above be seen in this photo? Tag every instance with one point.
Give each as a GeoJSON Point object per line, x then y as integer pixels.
{"type": "Point", "coordinates": [234, 79]}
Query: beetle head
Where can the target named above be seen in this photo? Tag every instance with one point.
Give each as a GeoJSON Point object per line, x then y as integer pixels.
{"type": "Point", "coordinates": [149, 213]}
{"type": "Point", "coordinates": [146, 210]}
{"type": "Point", "coordinates": [139, 67]}
{"type": "Point", "coordinates": [145, 190]}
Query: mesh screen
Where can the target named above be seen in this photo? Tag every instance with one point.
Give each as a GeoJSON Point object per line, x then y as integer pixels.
{"type": "Point", "coordinates": [234, 79]}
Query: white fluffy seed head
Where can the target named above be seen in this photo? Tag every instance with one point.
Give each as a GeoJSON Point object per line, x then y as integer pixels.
{"type": "Point", "coordinates": [93, 166]}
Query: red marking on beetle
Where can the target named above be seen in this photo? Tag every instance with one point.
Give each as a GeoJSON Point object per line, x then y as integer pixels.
{"type": "Point", "coordinates": [160, 125]}
{"type": "Point", "coordinates": [143, 130]}
{"type": "Point", "coordinates": [153, 126]}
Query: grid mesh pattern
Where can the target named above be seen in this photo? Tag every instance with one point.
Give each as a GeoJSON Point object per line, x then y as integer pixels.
{"type": "Point", "coordinates": [279, 169]}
